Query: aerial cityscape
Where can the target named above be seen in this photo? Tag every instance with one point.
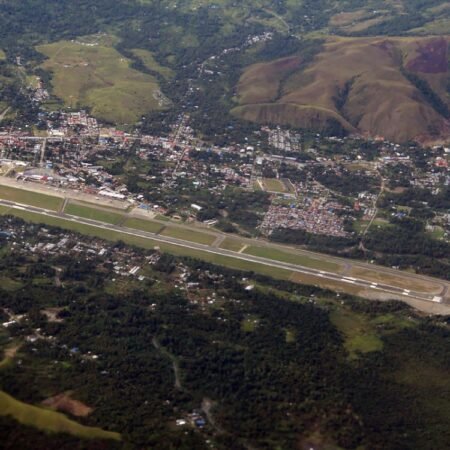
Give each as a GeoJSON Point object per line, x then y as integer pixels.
{"type": "Point", "coordinates": [225, 225]}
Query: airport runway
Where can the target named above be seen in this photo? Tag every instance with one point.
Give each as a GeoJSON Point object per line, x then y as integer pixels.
{"type": "Point", "coordinates": [245, 257]}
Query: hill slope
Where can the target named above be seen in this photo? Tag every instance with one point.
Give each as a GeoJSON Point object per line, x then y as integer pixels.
{"type": "Point", "coordinates": [390, 87]}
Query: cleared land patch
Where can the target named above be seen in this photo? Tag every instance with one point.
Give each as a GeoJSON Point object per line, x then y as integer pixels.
{"type": "Point", "coordinates": [30, 198]}
{"type": "Point", "coordinates": [49, 421]}
{"type": "Point", "coordinates": [95, 75]}
{"type": "Point", "coordinates": [358, 333]}
{"type": "Point", "coordinates": [64, 403]}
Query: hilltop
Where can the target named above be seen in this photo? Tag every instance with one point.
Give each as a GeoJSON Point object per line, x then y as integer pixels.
{"type": "Point", "coordinates": [361, 80]}
{"type": "Point", "coordinates": [391, 87]}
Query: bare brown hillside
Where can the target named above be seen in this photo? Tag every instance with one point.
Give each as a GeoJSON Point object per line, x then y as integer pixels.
{"type": "Point", "coordinates": [358, 83]}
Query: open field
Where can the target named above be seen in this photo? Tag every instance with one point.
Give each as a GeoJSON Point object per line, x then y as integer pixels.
{"type": "Point", "coordinates": [99, 214]}
{"type": "Point", "coordinates": [232, 244]}
{"type": "Point", "coordinates": [95, 75]}
{"type": "Point", "coordinates": [30, 198]}
{"type": "Point", "coordinates": [279, 255]}
{"type": "Point", "coordinates": [333, 285]}
{"type": "Point", "coordinates": [64, 403]}
{"type": "Point", "coordinates": [8, 284]}
{"type": "Point", "coordinates": [394, 280]}
{"type": "Point", "coordinates": [355, 82]}
{"type": "Point", "coordinates": [141, 224]}
{"type": "Point", "coordinates": [274, 185]}
{"type": "Point", "coordinates": [188, 235]}
{"type": "Point", "coordinates": [150, 63]}
{"type": "Point", "coordinates": [49, 421]}
{"type": "Point", "coordinates": [358, 333]}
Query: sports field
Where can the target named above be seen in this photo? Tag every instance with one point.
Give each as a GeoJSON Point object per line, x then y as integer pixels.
{"type": "Point", "coordinates": [94, 74]}
{"type": "Point", "coordinates": [274, 185]}
{"type": "Point", "coordinates": [30, 198]}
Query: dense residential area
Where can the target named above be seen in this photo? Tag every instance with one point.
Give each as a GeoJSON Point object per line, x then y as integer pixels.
{"type": "Point", "coordinates": [346, 188]}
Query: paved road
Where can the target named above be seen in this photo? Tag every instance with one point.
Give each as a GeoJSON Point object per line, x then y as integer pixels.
{"type": "Point", "coordinates": [255, 259]}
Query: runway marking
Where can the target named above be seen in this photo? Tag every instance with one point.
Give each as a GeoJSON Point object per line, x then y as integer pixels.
{"type": "Point", "coordinates": [235, 255]}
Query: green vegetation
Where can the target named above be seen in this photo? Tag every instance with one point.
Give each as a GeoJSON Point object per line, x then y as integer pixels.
{"type": "Point", "coordinates": [293, 258]}
{"type": "Point", "coordinates": [249, 324]}
{"type": "Point", "coordinates": [143, 224]}
{"type": "Point", "coordinates": [258, 356]}
{"type": "Point", "coordinates": [49, 421]}
{"type": "Point", "coordinates": [188, 235]}
{"type": "Point", "coordinates": [9, 284]}
{"type": "Point", "coordinates": [95, 75]}
{"type": "Point", "coordinates": [274, 185]}
{"type": "Point", "coordinates": [232, 244]}
{"type": "Point", "coordinates": [30, 198]}
{"type": "Point", "coordinates": [90, 212]}
{"type": "Point", "coordinates": [152, 65]}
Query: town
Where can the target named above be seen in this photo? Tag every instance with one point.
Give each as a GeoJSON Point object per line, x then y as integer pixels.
{"type": "Point", "coordinates": [327, 186]}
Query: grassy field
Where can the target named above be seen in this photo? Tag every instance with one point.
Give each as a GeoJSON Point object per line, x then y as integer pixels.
{"type": "Point", "coordinates": [324, 283]}
{"type": "Point", "coordinates": [279, 255]}
{"type": "Point", "coordinates": [49, 421]}
{"type": "Point", "coordinates": [188, 235]}
{"type": "Point", "coordinates": [358, 333]}
{"type": "Point", "coordinates": [232, 244]}
{"type": "Point", "coordinates": [142, 224]}
{"type": "Point", "coordinates": [249, 324]}
{"type": "Point", "coordinates": [10, 285]}
{"type": "Point", "coordinates": [101, 215]}
{"type": "Point", "coordinates": [95, 75]}
{"type": "Point", "coordinates": [30, 198]}
{"type": "Point", "coordinates": [274, 185]}
{"type": "Point", "coordinates": [150, 63]}
{"type": "Point", "coordinates": [392, 279]}
{"type": "Point", "coordinates": [111, 235]}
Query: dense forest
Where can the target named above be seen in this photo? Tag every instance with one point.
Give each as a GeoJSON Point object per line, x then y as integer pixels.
{"type": "Point", "coordinates": [278, 366]}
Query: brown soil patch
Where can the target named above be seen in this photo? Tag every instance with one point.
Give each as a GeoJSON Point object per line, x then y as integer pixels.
{"type": "Point", "coordinates": [432, 57]}
{"type": "Point", "coordinates": [63, 403]}
{"type": "Point", "coordinates": [10, 352]}
{"type": "Point", "coordinates": [52, 314]}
